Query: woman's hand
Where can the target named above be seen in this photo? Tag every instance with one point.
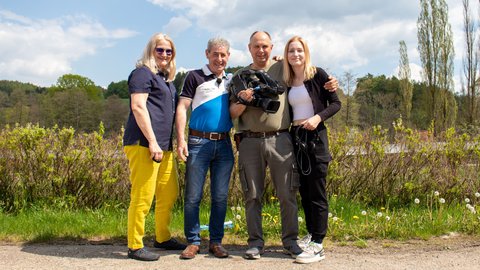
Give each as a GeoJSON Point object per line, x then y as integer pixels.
{"type": "Point", "coordinates": [156, 153]}
{"type": "Point", "coordinates": [312, 122]}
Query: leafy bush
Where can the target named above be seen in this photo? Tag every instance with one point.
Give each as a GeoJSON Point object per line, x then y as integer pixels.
{"type": "Point", "coordinates": [57, 166]}
{"type": "Point", "coordinates": [61, 167]}
{"type": "Point", "coordinates": [373, 168]}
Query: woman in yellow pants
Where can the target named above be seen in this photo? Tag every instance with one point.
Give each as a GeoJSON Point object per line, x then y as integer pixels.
{"type": "Point", "coordinates": [148, 145]}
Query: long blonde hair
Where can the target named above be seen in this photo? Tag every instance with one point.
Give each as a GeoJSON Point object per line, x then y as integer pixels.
{"type": "Point", "coordinates": [309, 70]}
{"type": "Point", "coordinates": [148, 57]}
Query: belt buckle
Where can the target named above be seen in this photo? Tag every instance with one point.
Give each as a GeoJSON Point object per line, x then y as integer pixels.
{"type": "Point", "coordinates": [263, 134]}
{"type": "Point", "coordinates": [212, 135]}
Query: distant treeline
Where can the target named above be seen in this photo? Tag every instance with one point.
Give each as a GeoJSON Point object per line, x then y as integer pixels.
{"type": "Point", "coordinates": [75, 101]}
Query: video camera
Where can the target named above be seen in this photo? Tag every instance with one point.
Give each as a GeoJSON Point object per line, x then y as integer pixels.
{"type": "Point", "coordinates": [265, 89]}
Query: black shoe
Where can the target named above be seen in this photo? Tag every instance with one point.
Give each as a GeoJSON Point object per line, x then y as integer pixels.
{"type": "Point", "coordinates": [142, 255]}
{"type": "Point", "coordinates": [171, 244]}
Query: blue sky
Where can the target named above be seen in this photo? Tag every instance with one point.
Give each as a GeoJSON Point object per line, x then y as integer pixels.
{"type": "Point", "coordinates": [40, 40]}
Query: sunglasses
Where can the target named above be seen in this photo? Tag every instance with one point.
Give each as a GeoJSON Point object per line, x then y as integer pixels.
{"type": "Point", "coordinates": [161, 50]}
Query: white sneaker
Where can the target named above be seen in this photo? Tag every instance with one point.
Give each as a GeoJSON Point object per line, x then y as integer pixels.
{"type": "Point", "coordinates": [303, 243]}
{"type": "Point", "coordinates": [312, 253]}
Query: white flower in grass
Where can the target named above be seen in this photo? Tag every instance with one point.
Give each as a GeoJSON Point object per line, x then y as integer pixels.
{"type": "Point", "coordinates": [238, 217]}
{"type": "Point", "coordinates": [477, 194]}
{"type": "Point", "coordinates": [441, 200]}
{"type": "Point", "coordinates": [417, 200]}
{"type": "Point", "coordinates": [467, 200]}
{"type": "Point", "coordinates": [232, 208]}
{"type": "Point", "coordinates": [330, 215]}
{"type": "Point", "coordinates": [379, 214]}
{"type": "Point", "coordinates": [364, 213]}
{"type": "Point", "coordinates": [300, 219]}
{"type": "Point", "coordinates": [468, 206]}
{"type": "Point", "coordinates": [335, 219]}
{"type": "Point", "coordinates": [471, 208]}
{"type": "Point", "coordinates": [436, 193]}
{"type": "Point", "coordinates": [239, 208]}
{"type": "Point", "coordinates": [387, 218]}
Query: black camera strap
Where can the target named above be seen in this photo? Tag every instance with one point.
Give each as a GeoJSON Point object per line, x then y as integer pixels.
{"type": "Point", "coordinates": [302, 155]}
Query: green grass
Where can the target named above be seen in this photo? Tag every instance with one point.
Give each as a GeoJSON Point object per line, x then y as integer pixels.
{"type": "Point", "coordinates": [347, 223]}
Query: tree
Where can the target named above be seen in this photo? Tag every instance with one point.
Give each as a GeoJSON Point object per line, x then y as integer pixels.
{"type": "Point", "coordinates": [435, 45]}
{"type": "Point", "coordinates": [178, 82]}
{"type": "Point", "coordinates": [71, 109]}
{"type": "Point", "coordinates": [348, 84]}
{"type": "Point", "coordinates": [378, 99]}
{"type": "Point", "coordinates": [115, 113]}
{"type": "Point", "coordinates": [470, 64]}
{"type": "Point", "coordinates": [406, 87]}
{"type": "Point", "coordinates": [75, 82]}
{"type": "Point", "coordinates": [119, 88]}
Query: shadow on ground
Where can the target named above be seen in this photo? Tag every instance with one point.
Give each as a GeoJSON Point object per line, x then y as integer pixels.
{"type": "Point", "coordinates": [113, 249]}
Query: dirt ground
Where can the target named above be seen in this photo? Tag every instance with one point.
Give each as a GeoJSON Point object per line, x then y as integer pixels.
{"type": "Point", "coordinates": [448, 252]}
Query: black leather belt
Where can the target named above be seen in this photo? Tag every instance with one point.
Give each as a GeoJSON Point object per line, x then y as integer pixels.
{"type": "Point", "coordinates": [214, 136]}
{"type": "Point", "coordinates": [250, 134]}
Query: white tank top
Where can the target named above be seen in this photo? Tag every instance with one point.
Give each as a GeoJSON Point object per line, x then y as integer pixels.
{"type": "Point", "coordinates": [301, 103]}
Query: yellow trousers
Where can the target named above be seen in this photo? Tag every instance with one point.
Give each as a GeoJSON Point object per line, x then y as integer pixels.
{"type": "Point", "coordinates": [148, 180]}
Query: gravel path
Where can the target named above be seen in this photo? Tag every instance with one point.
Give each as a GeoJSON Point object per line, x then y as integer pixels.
{"type": "Point", "coordinates": [459, 252]}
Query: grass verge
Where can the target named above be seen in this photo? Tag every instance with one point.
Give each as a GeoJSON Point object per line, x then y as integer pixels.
{"type": "Point", "coordinates": [348, 222]}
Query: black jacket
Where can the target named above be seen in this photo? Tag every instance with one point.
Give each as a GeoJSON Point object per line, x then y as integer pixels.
{"type": "Point", "coordinates": [325, 104]}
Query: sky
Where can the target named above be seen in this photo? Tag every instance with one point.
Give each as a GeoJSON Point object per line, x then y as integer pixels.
{"type": "Point", "coordinates": [41, 40]}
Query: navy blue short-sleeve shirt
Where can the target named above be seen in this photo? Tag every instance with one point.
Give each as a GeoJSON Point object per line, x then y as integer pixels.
{"type": "Point", "coordinates": [161, 104]}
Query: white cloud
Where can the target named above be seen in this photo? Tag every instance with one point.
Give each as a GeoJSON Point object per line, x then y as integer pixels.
{"type": "Point", "coordinates": [39, 51]}
{"type": "Point", "coordinates": [177, 25]}
{"type": "Point", "coordinates": [342, 34]}
{"type": "Point", "coordinates": [194, 8]}
{"type": "Point", "coordinates": [415, 72]}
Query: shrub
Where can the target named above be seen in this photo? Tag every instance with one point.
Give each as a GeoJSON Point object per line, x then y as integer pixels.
{"type": "Point", "coordinates": [52, 165]}
{"type": "Point", "coordinates": [373, 168]}
{"type": "Point", "coordinates": [87, 170]}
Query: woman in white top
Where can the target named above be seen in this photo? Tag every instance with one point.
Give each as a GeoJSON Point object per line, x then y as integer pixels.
{"type": "Point", "coordinates": [311, 105]}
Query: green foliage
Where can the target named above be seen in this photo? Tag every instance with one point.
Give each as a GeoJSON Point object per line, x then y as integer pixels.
{"type": "Point", "coordinates": [349, 221]}
{"type": "Point", "coordinates": [435, 44]}
{"type": "Point", "coordinates": [50, 164]}
{"type": "Point", "coordinates": [379, 100]}
{"type": "Point", "coordinates": [178, 81]}
{"type": "Point", "coordinates": [376, 167]}
{"type": "Point", "coordinates": [46, 223]}
{"type": "Point", "coordinates": [9, 86]}
{"type": "Point", "coordinates": [118, 88]}
{"type": "Point", "coordinates": [370, 167]}
{"type": "Point", "coordinates": [73, 82]}
{"type": "Point", "coordinates": [71, 109]}
{"type": "Point", "coordinates": [233, 69]}
{"type": "Point", "coordinates": [433, 216]}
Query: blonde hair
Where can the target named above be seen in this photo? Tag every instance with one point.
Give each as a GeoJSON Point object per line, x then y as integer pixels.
{"type": "Point", "coordinates": [309, 70]}
{"type": "Point", "coordinates": [148, 57]}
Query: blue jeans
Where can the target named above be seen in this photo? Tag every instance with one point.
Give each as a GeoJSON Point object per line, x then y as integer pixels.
{"type": "Point", "coordinates": [204, 154]}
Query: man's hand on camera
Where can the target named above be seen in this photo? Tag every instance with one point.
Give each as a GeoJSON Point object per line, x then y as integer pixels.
{"type": "Point", "coordinates": [245, 96]}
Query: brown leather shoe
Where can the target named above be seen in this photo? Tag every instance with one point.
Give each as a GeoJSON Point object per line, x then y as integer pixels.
{"type": "Point", "coordinates": [190, 252]}
{"type": "Point", "coordinates": [218, 250]}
